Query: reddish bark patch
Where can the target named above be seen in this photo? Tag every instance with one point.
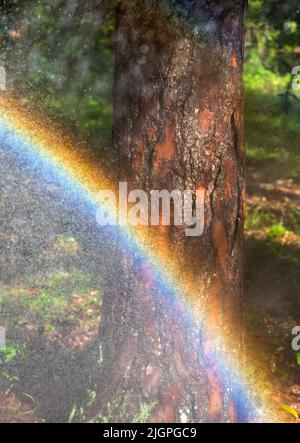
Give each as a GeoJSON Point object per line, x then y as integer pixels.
{"type": "Point", "coordinates": [230, 170]}
{"type": "Point", "coordinates": [152, 378]}
{"type": "Point", "coordinates": [220, 242]}
{"type": "Point", "coordinates": [151, 133]}
{"type": "Point", "coordinates": [166, 150]}
{"type": "Point", "coordinates": [234, 62]}
{"type": "Point", "coordinates": [215, 396]}
{"type": "Point", "coordinates": [165, 412]}
{"type": "Point", "coordinates": [180, 364]}
{"type": "Point", "coordinates": [205, 119]}
{"type": "Point", "coordinates": [238, 118]}
{"type": "Point", "coordinates": [138, 161]}
{"type": "Point", "coordinates": [200, 187]}
{"type": "Point", "coordinates": [214, 315]}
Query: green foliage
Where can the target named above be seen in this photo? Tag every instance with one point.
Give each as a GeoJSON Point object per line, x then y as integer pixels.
{"type": "Point", "coordinates": [273, 34]}
{"type": "Point", "coordinates": [145, 413]}
{"type": "Point", "coordinates": [8, 354]}
{"type": "Point", "coordinates": [277, 231]}
{"type": "Point", "coordinates": [8, 380]}
{"type": "Point", "coordinates": [258, 218]}
{"type": "Point", "coordinates": [272, 133]}
{"type": "Point", "coordinates": [58, 300]}
{"type": "Point", "coordinates": [61, 57]}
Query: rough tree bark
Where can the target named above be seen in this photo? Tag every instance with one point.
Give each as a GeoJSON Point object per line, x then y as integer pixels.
{"type": "Point", "coordinates": [178, 125]}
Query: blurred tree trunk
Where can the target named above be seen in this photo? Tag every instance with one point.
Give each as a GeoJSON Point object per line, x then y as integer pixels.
{"type": "Point", "coordinates": [177, 125]}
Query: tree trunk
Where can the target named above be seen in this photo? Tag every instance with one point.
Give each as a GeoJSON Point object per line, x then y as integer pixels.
{"type": "Point", "coordinates": [177, 125]}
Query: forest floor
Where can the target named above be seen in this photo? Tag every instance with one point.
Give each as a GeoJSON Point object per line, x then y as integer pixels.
{"type": "Point", "coordinates": [272, 287]}
{"type": "Point", "coordinates": [46, 367]}
{"type": "Point", "coordinates": [55, 316]}
{"type": "Point", "coordinates": [272, 280]}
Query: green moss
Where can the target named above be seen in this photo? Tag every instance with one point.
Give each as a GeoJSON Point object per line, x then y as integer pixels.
{"type": "Point", "coordinates": [144, 413]}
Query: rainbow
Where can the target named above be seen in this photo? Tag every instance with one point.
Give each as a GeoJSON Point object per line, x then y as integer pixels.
{"type": "Point", "coordinates": [49, 154]}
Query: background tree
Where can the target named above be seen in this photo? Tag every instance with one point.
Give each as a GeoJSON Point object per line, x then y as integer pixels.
{"type": "Point", "coordinates": [177, 125]}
